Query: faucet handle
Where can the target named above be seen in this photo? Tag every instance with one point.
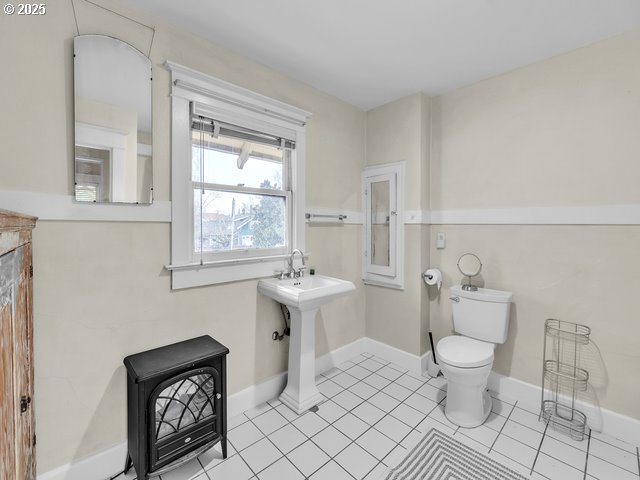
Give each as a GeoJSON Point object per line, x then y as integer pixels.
{"type": "Point", "coordinates": [280, 274]}
{"type": "Point", "coordinates": [300, 271]}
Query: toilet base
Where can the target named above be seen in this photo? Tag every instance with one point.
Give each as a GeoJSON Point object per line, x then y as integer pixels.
{"type": "Point", "coordinates": [468, 402]}
{"type": "Point", "coordinates": [469, 419]}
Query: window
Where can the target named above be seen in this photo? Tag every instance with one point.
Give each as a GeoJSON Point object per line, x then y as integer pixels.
{"type": "Point", "coordinates": [237, 181]}
{"type": "Point", "coordinates": [241, 191]}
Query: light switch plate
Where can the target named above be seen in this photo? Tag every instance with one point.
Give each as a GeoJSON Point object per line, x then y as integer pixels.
{"type": "Point", "coordinates": [441, 240]}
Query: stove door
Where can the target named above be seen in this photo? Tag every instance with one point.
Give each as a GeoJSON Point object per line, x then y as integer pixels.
{"type": "Point", "coordinates": [184, 414]}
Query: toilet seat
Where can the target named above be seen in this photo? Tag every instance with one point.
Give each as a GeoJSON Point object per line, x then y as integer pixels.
{"type": "Point", "coordinates": [464, 352]}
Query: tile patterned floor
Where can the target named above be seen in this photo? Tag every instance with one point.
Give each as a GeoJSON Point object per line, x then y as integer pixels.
{"type": "Point", "coordinates": [372, 412]}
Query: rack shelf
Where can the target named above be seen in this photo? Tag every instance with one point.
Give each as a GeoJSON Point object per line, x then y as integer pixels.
{"type": "Point", "coordinates": [562, 377]}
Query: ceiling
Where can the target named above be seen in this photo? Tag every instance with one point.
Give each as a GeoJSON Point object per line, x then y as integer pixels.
{"type": "Point", "coordinates": [370, 52]}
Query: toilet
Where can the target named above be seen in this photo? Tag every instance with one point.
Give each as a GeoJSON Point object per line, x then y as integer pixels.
{"type": "Point", "coordinates": [481, 321]}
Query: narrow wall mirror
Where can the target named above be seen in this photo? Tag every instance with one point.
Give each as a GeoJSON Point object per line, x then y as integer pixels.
{"type": "Point", "coordinates": [383, 239]}
{"type": "Point", "coordinates": [113, 140]}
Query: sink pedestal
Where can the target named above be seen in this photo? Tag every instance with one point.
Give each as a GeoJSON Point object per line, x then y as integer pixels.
{"type": "Point", "coordinates": [301, 392]}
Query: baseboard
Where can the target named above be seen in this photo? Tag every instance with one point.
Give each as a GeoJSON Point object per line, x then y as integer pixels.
{"type": "Point", "coordinates": [109, 462]}
{"type": "Point", "coordinates": [599, 419]}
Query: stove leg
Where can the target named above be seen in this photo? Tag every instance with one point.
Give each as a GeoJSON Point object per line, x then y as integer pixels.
{"type": "Point", "coordinates": [224, 447]}
{"type": "Point", "coordinates": [127, 463]}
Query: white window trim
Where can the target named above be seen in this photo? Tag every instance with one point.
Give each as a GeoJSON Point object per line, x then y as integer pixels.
{"type": "Point", "coordinates": [394, 278]}
{"type": "Point", "coordinates": [233, 104]}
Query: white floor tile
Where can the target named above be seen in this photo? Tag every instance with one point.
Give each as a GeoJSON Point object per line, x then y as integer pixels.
{"type": "Point", "coordinates": [438, 382]}
{"type": "Point", "coordinates": [388, 373]}
{"type": "Point", "coordinates": [287, 438]}
{"type": "Point", "coordinates": [378, 472]}
{"type": "Point", "coordinates": [471, 442]}
{"type": "Point", "coordinates": [363, 390]}
{"type": "Point", "coordinates": [244, 435]}
{"type": "Point", "coordinates": [331, 471]}
{"type": "Point", "coordinates": [429, 423]}
{"type": "Point", "coordinates": [368, 412]}
{"type": "Point", "coordinates": [510, 463]}
{"type": "Point", "coordinates": [344, 366]}
{"type": "Point", "coordinates": [232, 468]}
{"type": "Point", "coordinates": [495, 421]}
{"type": "Point", "coordinates": [562, 451]}
{"type": "Point", "coordinates": [332, 372]}
{"type": "Point", "coordinates": [439, 415]}
{"type": "Point", "coordinates": [501, 408]}
{"type": "Point", "coordinates": [523, 434]}
{"type": "Point", "coordinates": [283, 469]}
{"type": "Point", "coordinates": [260, 455]}
{"type": "Point", "coordinates": [615, 455]}
{"type": "Point", "coordinates": [412, 439]}
{"type": "Point", "coordinates": [563, 436]}
{"type": "Point", "coordinates": [358, 372]}
{"type": "Point", "coordinates": [397, 367]}
{"type": "Point", "coordinates": [269, 422]}
{"type": "Point", "coordinates": [308, 458]}
{"type": "Point", "coordinates": [380, 360]}
{"type": "Point", "coordinates": [356, 461]}
{"type": "Point", "coordinates": [397, 391]}
{"type": "Point", "coordinates": [213, 456]}
{"type": "Point", "coordinates": [286, 412]}
{"type": "Point", "coordinates": [376, 381]}
{"type": "Point", "coordinates": [276, 401]}
{"type": "Point", "coordinates": [384, 402]}
{"type": "Point", "coordinates": [344, 380]}
{"type": "Point", "coordinates": [552, 468]}
{"type": "Point", "coordinates": [189, 471]}
{"type": "Point", "coordinates": [603, 470]}
{"type": "Point", "coordinates": [408, 415]}
{"type": "Point", "coordinates": [329, 388]}
{"type": "Point", "coordinates": [351, 426]}
{"type": "Point", "coordinates": [613, 441]}
{"type": "Point", "coordinates": [259, 410]}
{"type": "Point", "coordinates": [371, 365]}
{"type": "Point", "coordinates": [395, 456]}
{"type": "Point", "coordinates": [331, 440]}
{"type": "Point", "coordinates": [431, 392]}
{"type": "Point", "coordinates": [376, 443]}
{"type": "Point", "coordinates": [527, 419]}
{"type": "Point", "coordinates": [409, 382]}
{"type": "Point", "coordinates": [331, 411]}
{"type": "Point", "coordinates": [392, 428]}
{"type": "Point", "coordinates": [310, 424]}
{"type": "Point", "coordinates": [519, 452]}
{"type": "Point", "coordinates": [482, 434]}
{"type": "Point", "coordinates": [347, 400]}
{"type": "Point", "coordinates": [236, 421]}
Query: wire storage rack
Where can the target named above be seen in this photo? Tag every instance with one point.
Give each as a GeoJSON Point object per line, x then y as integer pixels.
{"type": "Point", "coordinates": [562, 376]}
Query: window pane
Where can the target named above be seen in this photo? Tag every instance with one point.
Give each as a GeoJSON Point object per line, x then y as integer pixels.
{"type": "Point", "coordinates": [237, 221]}
{"type": "Point", "coordinates": [235, 162]}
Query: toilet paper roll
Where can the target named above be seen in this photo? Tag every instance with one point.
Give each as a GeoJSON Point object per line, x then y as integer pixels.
{"type": "Point", "coordinates": [433, 276]}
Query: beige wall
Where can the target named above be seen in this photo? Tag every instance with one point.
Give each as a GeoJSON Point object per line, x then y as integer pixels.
{"type": "Point", "coordinates": [399, 131]}
{"type": "Point", "coordinates": [561, 132]}
{"type": "Point", "coordinates": [101, 292]}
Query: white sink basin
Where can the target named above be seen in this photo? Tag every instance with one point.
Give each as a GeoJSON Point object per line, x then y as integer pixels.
{"type": "Point", "coordinates": [303, 296]}
{"type": "Point", "coordinates": [305, 293]}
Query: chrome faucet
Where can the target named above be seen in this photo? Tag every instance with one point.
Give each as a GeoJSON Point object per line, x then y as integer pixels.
{"type": "Point", "coordinates": [293, 273]}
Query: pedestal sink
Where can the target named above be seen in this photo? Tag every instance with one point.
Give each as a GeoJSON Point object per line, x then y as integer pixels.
{"type": "Point", "coordinates": [303, 296]}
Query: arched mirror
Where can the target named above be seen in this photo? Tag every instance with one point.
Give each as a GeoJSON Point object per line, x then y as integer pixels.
{"type": "Point", "coordinates": [469, 265]}
{"type": "Point", "coordinates": [112, 95]}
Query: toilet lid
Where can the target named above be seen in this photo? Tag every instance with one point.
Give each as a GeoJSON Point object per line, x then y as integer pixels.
{"type": "Point", "coordinates": [464, 352]}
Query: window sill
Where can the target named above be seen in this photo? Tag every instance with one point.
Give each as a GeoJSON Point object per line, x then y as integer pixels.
{"type": "Point", "coordinates": [224, 271]}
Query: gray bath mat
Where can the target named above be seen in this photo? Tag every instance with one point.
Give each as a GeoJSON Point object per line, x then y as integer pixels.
{"type": "Point", "coordinates": [439, 457]}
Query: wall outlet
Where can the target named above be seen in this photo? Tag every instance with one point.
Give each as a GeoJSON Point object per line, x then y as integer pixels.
{"type": "Point", "coordinates": [441, 240]}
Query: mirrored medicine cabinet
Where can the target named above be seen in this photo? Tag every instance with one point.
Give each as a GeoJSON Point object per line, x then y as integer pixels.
{"type": "Point", "coordinates": [383, 232]}
{"type": "Point", "coordinates": [113, 128]}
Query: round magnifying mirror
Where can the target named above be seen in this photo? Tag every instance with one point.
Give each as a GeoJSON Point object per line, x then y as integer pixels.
{"type": "Point", "coordinates": [470, 266]}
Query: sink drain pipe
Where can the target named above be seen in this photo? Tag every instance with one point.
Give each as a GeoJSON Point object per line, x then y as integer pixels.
{"type": "Point", "coordinates": [285, 315]}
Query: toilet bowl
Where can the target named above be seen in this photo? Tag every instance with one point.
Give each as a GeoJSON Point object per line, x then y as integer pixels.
{"type": "Point", "coordinates": [481, 320]}
{"type": "Point", "coordinates": [466, 364]}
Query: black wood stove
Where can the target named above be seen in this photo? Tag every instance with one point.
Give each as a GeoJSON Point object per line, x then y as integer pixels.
{"type": "Point", "coordinates": [176, 404]}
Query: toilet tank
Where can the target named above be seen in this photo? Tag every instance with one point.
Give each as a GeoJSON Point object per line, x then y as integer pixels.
{"type": "Point", "coordinates": [482, 314]}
